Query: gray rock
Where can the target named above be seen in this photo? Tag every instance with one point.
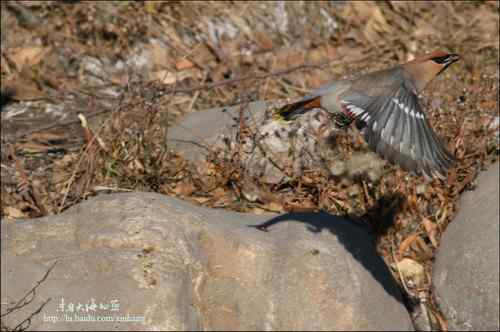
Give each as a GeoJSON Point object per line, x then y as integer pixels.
{"type": "Point", "coordinates": [196, 133]}
{"type": "Point", "coordinates": [466, 272]}
{"type": "Point", "coordinates": [270, 150]}
{"type": "Point", "coordinates": [183, 267]}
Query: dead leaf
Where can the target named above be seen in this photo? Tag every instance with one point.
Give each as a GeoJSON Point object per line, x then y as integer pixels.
{"type": "Point", "coordinates": [306, 180]}
{"type": "Point", "coordinates": [288, 57]}
{"type": "Point", "coordinates": [170, 77]}
{"type": "Point", "coordinates": [295, 59]}
{"type": "Point", "coordinates": [468, 179]}
{"type": "Point", "coordinates": [423, 248]}
{"type": "Point", "coordinates": [220, 71]}
{"type": "Point", "coordinates": [221, 197]}
{"type": "Point", "coordinates": [263, 41]}
{"type": "Point", "coordinates": [317, 55]}
{"type": "Point", "coordinates": [206, 168]}
{"type": "Point", "coordinates": [430, 228]}
{"type": "Point", "coordinates": [247, 58]}
{"type": "Point", "coordinates": [308, 207]}
{"type": "Point", "coordinates": [184, 188]}
{"type": "Point", "coordinates": [406, 243]}
{"type": "Point", "coordinates": [136, 165]}
{"type": "Point", "coordinates": [202, 54]}
{"type": "Point", "coordinates": [161, 56]}
{"type": "Point", "coordinates": [66, 161]}
{"type": "Point", "coordinates": [258, 210]}
{"type": "Point", "coordinates": [184, 64]}
{"type": "Point", "coordinates": [200, 200]}
{"type": "Point", "coordinates": [218, 193]}
{"type": "Point", "coordinates": [442, 322]}
{"type": "Point", "coordinates": [27, 56]}
{"type": "Point", "coordinates": [331, 51]}
{"type": "Point", "coordinates": [13, 212]}
{"type": "Point", "coordinates": [274, 207]}
{"type": "Point", "coordinates": [411, 269]}
{"type": "Point", "coordinates": [488, 104]}
{"type": "Point", "coordinates": [452, 177]}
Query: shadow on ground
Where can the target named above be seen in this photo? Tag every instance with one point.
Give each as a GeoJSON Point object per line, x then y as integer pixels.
{"type": "Point", "coordinates": [358, 236]}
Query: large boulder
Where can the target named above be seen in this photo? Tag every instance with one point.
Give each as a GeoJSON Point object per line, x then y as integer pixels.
{"type": "Point", "coordinates": [466, 271]}
{"type": "Point", "coordinates": [151, 262]}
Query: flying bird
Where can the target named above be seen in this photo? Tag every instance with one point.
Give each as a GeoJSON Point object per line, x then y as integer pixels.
{"type": "Point", "coordinates": [384, 106]}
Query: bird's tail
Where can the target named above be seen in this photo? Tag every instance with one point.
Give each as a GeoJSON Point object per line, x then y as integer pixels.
{"type": "Point", "coordinates": [293, 110]}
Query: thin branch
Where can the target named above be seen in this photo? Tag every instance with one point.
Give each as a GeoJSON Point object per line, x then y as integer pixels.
{"type": "Point", "coordinates": [26, 323]}
{"type": "Point", "coordinates": [206, 86]}
{"type": "Point", "coordinates": [24, 301]}
{"type": "Point", "coordinates": [209, 86]}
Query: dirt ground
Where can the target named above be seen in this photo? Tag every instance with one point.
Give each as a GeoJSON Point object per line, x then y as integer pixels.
{"type": "Point", "coordinates": [89, 90]}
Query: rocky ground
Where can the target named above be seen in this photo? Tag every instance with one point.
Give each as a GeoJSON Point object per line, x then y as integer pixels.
{"type": "Point", "coordinates": [91, 90]}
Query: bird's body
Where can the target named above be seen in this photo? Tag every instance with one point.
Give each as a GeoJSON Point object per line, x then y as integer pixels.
{"type": "Point", "coordinates": [384, 105]}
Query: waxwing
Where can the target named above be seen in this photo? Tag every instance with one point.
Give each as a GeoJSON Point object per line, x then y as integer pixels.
{"type": "Point", "coordinates": [384, 106]}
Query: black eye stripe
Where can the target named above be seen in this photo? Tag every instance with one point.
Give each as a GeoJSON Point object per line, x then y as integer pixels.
{"type": "Point", "coordinates": [446, 59]}
{"type": "Point", "coordinates": [441, 59]}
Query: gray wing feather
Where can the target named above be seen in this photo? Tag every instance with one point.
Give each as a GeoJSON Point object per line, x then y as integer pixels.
{"type": "Point", "coordinates": [441, 155]}
{"type": "Point", "coordinates": [405, 145]}
{"type": "Point", "coordinates": [322, 90]}
{"type": "Point", "coordinates": [398, 130]}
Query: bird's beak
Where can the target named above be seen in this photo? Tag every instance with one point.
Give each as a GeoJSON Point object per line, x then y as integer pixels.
{"type": "Point", "coordinates": [453, 58]}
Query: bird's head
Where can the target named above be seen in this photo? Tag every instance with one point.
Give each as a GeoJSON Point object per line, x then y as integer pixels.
{"type": "Point", "coordinates": [425, 68]}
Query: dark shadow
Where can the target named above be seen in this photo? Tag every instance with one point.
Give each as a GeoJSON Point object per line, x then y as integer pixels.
{"type": "Point", "coordinates": [380, 217]}
{"type": "Point", "coordinates": [357, 235]}
{"type": "Point", "coordinates": [6, 96]}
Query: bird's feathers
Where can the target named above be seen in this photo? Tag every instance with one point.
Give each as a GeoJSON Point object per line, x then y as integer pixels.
{"type": "Point", "coordinates": [385, 106]}
{"type": "Point", "coordinates": [291, 111]}
{"type": "Point", "coordinates": [399, 131]}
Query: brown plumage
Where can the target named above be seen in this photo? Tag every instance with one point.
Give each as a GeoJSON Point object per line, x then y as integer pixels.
{"type": "Point", "coordinates": [385, 105]}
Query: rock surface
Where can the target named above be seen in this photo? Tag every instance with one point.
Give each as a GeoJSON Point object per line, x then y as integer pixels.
{"type": "Point", "coordinates": [466, 272]}
{"type": "Point", "coordinates": [176, 266]}
{"type": "Point", "coordinates": [270, 149]}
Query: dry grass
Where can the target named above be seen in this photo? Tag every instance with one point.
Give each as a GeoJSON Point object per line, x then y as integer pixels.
{"type": "Point", "coordinates": [48, 167]}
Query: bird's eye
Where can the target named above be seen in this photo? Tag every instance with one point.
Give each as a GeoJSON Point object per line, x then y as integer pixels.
{"type": "Point", "coordinates": [441, 59]}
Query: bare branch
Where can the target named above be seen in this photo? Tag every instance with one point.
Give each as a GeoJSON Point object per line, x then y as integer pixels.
{"type": "Point", "coordinates": [26, 300]}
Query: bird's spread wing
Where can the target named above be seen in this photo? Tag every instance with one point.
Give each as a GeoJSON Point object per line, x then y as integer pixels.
{"type": "Point", "coordinates": [396, 128]}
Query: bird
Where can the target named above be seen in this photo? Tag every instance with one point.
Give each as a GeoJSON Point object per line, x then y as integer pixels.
{"type": "Point", "coordinates": [385, 108]}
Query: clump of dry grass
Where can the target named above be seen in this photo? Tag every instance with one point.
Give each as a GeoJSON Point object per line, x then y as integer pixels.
{"type": "Point", "coordinates": [207, 48]}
